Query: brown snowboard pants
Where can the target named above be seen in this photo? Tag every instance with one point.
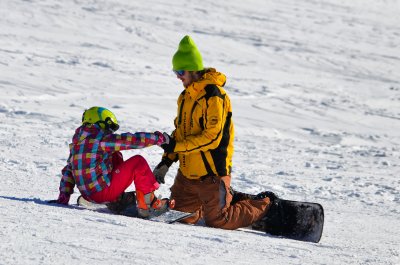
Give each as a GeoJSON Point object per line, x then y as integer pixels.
{"type": "Point", "coordinates": [210, 199]}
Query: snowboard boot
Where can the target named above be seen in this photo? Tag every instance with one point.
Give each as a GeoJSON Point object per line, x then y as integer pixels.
{"type": "Point", "coordinates": [125, 200]}
{"type": "Point", "coordinates": [274, 215]}
{"type": "Point", "coordinates": [265, 194]}
{"type": "Point", "coordinates": [149, 205]}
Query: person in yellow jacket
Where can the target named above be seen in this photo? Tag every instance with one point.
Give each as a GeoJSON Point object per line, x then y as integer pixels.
{"type": "Point", "coordinates": [202, 142]}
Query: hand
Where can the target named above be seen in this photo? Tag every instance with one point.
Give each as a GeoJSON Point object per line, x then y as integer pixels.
{"type": "Point", "coordinates": [161, 170]}
{"type": "Point", "coordinates": [169, 144]}
{"type": "Point", "coordinates": [63, 198]}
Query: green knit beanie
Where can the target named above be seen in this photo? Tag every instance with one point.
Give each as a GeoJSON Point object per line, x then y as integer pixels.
{"type": "Point", "coordinates": [187, 57]}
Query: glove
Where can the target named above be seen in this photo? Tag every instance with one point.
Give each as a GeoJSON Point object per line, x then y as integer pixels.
{"type": "Point", "coordinates": [169, 144]}
{"type": "Point", "coordinates": [63, 198]}
{"type": "Point", "coordinates": [161, 170]}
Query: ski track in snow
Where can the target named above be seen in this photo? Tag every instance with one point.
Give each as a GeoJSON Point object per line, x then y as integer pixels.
{"type": "Point", "coordinates": [315, 89]}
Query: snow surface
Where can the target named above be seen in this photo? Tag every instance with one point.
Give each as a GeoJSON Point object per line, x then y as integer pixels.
{"type": "Point", "coordinates": [315, 87]}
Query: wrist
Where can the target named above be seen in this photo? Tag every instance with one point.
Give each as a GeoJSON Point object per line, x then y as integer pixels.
{"type": "Point", "coordinates": [166, 161]}
{"type": "Point", "coordinates": [63, 198]}
{"type": "Point", "coordinates": [160, 138]}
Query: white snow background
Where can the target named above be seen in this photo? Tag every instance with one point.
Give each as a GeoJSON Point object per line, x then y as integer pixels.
{"type": "Point", "coordinates": [315, 88]}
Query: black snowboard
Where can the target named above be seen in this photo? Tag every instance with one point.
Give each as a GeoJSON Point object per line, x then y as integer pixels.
{"type": "Point", "coordinates": [297, 220]}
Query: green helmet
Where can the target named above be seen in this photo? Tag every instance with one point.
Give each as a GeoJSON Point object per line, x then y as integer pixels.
{"type": "Point", "coordinates": [101, 116]}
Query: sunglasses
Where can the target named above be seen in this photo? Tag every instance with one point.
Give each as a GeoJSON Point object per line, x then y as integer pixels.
{"type": "Point", "coordinates": [179, 72]}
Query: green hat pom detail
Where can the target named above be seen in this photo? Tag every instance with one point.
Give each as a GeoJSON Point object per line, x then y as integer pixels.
{"type": "Point", "coordinates": [187, 57]}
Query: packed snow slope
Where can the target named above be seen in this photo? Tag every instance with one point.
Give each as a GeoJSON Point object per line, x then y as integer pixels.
{"type": "Point", "coordinates": [315, 88]}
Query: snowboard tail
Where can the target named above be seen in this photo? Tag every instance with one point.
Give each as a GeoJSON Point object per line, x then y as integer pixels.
{"type": "Point", "coordinates": [297, 220]}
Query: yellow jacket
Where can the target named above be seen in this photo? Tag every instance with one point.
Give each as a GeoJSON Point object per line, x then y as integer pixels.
{"type": "Point", "coordinates": [204, 129]}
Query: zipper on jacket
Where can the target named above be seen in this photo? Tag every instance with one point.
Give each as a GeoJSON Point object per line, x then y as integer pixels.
{"type": "Point", "coordinates": [191, 113]}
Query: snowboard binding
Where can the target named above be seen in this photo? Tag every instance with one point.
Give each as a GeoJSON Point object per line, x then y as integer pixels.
{"type": "Point", "coordinates": [125, 200]}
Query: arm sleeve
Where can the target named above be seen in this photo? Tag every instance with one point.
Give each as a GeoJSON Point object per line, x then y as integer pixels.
{"type": "Point", "coordinates": [67, 182]}
{"type": "Point", "coordinates": [126, 141]}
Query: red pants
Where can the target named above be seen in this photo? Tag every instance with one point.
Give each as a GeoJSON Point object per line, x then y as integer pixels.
{"type": "Point", "coordinates": [135, 169]}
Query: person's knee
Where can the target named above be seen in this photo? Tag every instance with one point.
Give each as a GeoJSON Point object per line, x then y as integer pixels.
{"type": "Point", "coordinates": [193, 219]}
{"type": "Point", "coordinates": [138, 161]}
{"type": "Point", "coordinates": [138, 158]}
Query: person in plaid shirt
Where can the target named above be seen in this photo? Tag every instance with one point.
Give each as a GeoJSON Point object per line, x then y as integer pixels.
{"type": "Point", "coordinates": [96, 166]}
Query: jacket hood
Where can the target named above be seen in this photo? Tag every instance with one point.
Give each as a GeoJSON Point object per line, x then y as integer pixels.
{"type": "Point", "coordinates": [213, 77]}
{"type": "Point", "coordinates": [84, 131]}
